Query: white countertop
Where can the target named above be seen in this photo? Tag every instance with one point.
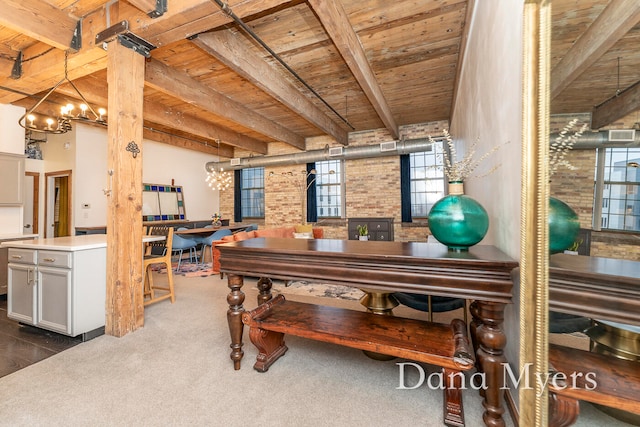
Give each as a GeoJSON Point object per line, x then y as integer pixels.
{"type": "Point", "coordinates": [69, 243]}
{"type": "Point", "coordinates": [16, 236]}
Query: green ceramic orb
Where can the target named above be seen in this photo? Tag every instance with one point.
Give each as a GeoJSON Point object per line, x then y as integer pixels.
{"type": "Point", "coordinates": [563, 226]}
{"type": "Point", "coordinates": [458, 221]}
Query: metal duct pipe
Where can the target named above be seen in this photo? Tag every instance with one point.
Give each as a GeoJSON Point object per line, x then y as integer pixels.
{"type": "Point", "coordinates": [348, 153]}
{"type": "Point", "coordinates": [600, 139]}
{"type": "Point", "coordinates": [587, 141]}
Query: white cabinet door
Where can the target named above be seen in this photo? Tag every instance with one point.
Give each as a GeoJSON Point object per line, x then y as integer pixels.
{"type": "Point", "coordinates": [54, 299]}
{"type": "Point", "coordinates": [22, 293]}
{"type": "Point", "coordinates": [12, 177]}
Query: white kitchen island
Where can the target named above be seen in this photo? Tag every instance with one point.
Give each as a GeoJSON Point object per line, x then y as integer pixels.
{"type": "Point", "coordinates": [59, 284]}
{"type": "Point", "coordinates": [3, 256]}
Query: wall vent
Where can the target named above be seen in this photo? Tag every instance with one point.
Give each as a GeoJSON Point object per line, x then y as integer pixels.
{"type": "Point", "coordinates": [388, 146]}
{"type": "Point", "coordinates": [335, 151]}
{"type": "Point", "coordinates": [234, 162]}
{"type": "Point", "coordinates": [622, 135]}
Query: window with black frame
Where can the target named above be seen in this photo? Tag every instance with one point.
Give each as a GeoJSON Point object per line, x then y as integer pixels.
{"type": "Point", "coordinates": [329, 191]}
{"type": "Point", "coordinates": [620, 190]}
{"type": "Point", "coordinates": [252, 189]}
{"type": "Point", "coordinates": [427, 181]}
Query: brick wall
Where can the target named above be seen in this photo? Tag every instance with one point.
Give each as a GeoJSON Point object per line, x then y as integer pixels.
{"type": "Point", "coordinates": [372, 186]}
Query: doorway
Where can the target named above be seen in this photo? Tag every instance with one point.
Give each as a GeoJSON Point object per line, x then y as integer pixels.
{"type": "Point", "coordinates": [58, 204]}
{"type": "Point", "coordinates": [31, 206]}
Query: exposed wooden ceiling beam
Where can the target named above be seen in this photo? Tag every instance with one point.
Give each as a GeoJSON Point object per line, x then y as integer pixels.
{"type": "Point", "coordinates": [228, 47]}
{"type": "Point", "coordinates": [39, 20]}
{"type": "Point", "coordinates": [191, 17]}
{"type": "Point", "coordinates": [158, 135]}
{"type": "Point", "coordinates": [147, 6]}
{"type": "Point", "coordinates": [335, 21]}
{"type": "Point", "coordinates": [186, 88]}
{"type": "Point", "coordinates": [610, 26]}
{"type": "Point", "coordinates": [626, 102]}
{"type": "Point", "coordinates": [46, 70]}
{"type": "Point", "coordinates": [183, 19]}
{"type": "Point", "coordinates": [169, 117]}
{"type": "Point", "coordinates": [172, 118]}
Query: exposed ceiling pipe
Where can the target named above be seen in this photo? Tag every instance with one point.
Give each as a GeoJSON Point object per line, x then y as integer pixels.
{"type": "Point", "coordinates": [347, 153]}
{"type": "Point", "coordinates": [587, 141]}
{"type": "Point", "coordinates": [592, 140]}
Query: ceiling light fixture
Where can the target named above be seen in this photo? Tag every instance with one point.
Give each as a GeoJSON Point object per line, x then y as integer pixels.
{"type": "Point", "coordinates": [34, 121]}
{"type": "Point", "coordinates": [219, 179]}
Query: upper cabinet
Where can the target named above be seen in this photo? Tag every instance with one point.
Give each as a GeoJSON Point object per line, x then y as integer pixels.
{"type": "Point", "coordinates": [12, 179]}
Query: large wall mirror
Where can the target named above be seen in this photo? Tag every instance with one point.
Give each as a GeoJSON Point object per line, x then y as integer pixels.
{"type": "Point", "coordinates": [162, 203]}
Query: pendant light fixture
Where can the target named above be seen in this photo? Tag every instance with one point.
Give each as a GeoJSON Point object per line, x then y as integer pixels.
{"type": "Point", "coordinates": [34, 121]}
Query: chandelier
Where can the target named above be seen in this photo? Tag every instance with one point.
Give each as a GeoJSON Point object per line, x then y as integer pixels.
{"type": "Point", "coordinates": [36, 122]}
{"type": "Point", "coordinates": [219, 180]}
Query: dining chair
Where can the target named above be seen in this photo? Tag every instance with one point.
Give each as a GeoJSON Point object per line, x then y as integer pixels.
{"type": "Point", "coordinates": [158, 252]}
{"type": "Point", "coordinates": [180, 244]}
{"type": "Point", "coordinates": [208, 241]}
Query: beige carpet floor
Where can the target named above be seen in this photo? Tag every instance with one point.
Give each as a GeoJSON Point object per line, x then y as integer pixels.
{"type": "Point", "coordinates": [176, 371]}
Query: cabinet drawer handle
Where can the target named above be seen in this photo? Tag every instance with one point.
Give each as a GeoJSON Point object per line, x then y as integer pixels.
{"type": "Point", "coordinates": [16, 256]}
{"type": "Point", "coordinates": [49, 259]}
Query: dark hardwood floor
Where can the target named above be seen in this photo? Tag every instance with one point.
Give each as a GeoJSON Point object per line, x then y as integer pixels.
{"type": "Point", "coordinates": [23, 345]}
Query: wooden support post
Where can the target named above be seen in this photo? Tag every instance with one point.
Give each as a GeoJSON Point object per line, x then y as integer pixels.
{"type": "Point", "coordinates": [124, 304]}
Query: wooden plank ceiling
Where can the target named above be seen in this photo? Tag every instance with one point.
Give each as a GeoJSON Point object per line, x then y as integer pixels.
{"type": "Point", "coordinates": [362, 64]}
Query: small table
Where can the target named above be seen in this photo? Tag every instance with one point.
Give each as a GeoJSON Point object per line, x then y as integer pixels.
{"type": "Point", "coordinates": [483, 274]}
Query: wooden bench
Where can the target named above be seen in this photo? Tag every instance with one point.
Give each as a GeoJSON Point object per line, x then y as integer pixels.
{"type": "Point", "coordinates": [611, 382]}
{"type": "Point", "coordinates": [437, 344]}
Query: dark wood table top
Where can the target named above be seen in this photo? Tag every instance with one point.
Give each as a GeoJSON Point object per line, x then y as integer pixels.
{"type": "Point", "coordinates": [596, 287]}
{"type": "Point", "coordinates": [484, 272]}
{"type": "Point", "coordinates": [210, 230]}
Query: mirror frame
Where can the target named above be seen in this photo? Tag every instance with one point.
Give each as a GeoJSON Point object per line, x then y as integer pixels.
{"type": "Point", "coordinates": [534, 233]}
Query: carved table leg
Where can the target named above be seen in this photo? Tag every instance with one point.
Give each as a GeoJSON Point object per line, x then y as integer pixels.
{"type": "Point", "coordinates": [270, 347]}
{"type": "Point", "coordinates": [378, 303]}
{"type": "Point", "coordinates": [563, 411]}
{"type": "Point", "coordinates": [489, 341]}
{"type": "Point", "coordinates": [453, 410]}
{"type": "Point", "coordinates": [264, 288]}
{"type": "Point", "coordinates": [234, 317]}
{"type": "Point", "coordinates": [473, 328]}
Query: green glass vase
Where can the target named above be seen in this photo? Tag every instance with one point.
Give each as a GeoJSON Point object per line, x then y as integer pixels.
{"type": "Point", "coordinates": [458, 221]}
{"type": "Point", "coordinates": [563, 226]}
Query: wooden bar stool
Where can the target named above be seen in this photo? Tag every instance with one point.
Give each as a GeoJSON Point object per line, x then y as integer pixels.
{"type": "Point", "coordinates": [158, 253]}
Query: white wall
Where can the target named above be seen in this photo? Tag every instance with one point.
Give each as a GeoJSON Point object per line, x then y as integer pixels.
{"type": "Point", "coordinates": [163, 163]}
{"type": "Point", "coordinates": [90, 176]}
{"type": "Point", "coordinates": [489, 107]}
{"type": "Point", "coordinates": [85, 153]}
